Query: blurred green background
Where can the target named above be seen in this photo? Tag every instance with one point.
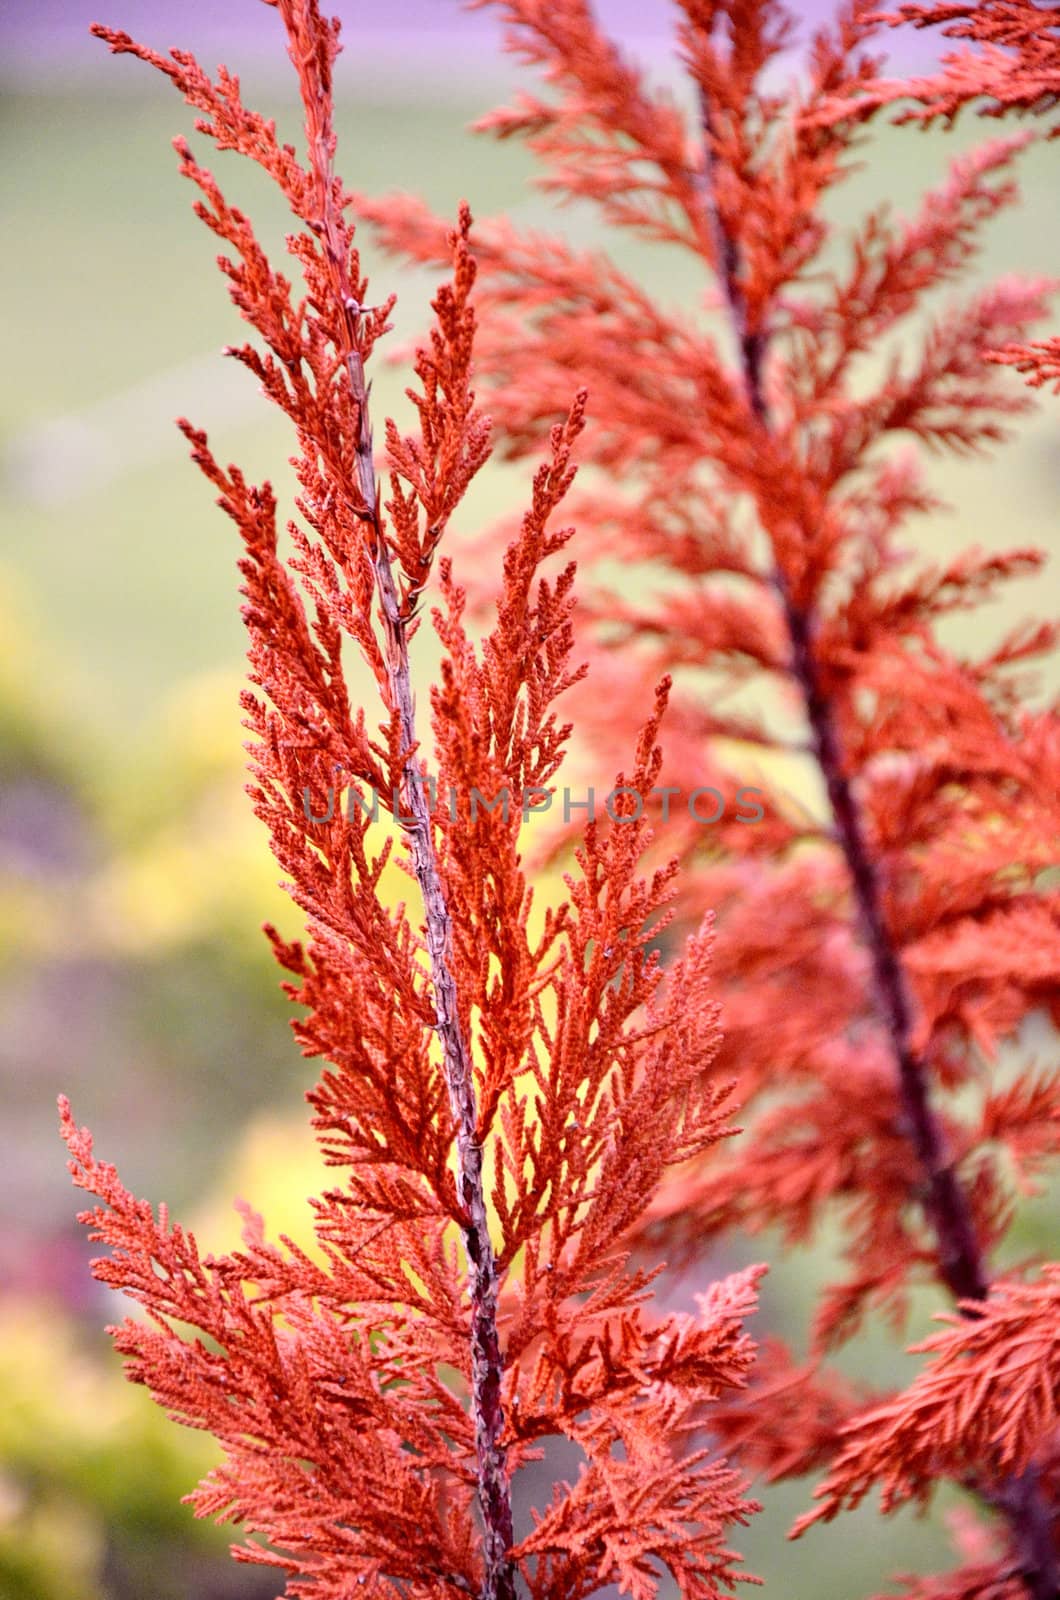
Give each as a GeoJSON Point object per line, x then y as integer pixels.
{"type": "Point", "coordinates": [133, 879]}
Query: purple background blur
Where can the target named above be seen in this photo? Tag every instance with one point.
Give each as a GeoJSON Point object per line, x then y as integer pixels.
{"type": "Point", "coordinates": [402, 38]}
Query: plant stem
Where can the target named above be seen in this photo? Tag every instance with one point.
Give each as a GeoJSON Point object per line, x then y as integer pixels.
{"type": "Point", "coordinates": [486, 1362]}
{"type": "Point", "coordinates": [494, 1489]}
{"type": "Point", "coordinates": [960, 1257]}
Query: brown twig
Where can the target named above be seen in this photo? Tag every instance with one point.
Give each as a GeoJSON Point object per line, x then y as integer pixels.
{"type": "Point", "coordinates": [494, 1490]}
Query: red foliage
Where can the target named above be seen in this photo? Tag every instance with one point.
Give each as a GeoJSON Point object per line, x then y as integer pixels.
{"type": "Point", "coordinates": [503, 1093]}
{"type": "Point", "coordinates": [522, 1086]}
{"type": "Point", "coordinates": [1014, 65]}
{"type": "Point", "coordinates": [989, 1393]}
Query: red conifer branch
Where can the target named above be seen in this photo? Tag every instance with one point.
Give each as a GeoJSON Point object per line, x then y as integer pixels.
{"type": "Point", "coordinates": [960, 1259]}
{"type": "Point", "coordinates": [1014, 64]}
{"type": "Point", "coordinates": [960, 1262]}
{"type": "Point", "coordinates": [524, 1094]}
{"type": "Point", "coordinates": [494, 1490]}
{"type": "Point", "coordinates": [990, 1392]}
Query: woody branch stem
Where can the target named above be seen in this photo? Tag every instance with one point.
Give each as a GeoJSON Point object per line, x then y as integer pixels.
{"type": "Point", "coordinates": [494, 1492]}
{"type": "Point", "coordinates": [486, 1361]}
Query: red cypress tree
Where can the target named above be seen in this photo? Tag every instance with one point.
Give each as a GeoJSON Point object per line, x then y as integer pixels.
{"type": "Point", "coordinates": [503, 1090]}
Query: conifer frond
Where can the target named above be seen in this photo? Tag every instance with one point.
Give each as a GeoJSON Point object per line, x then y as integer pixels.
{"type": "Point", "coordinates": [989, 1397]}
{"type": "Point", "coordinates": [1010, 57]}
{"type": "Point", "coordinates": [501, 1094]}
